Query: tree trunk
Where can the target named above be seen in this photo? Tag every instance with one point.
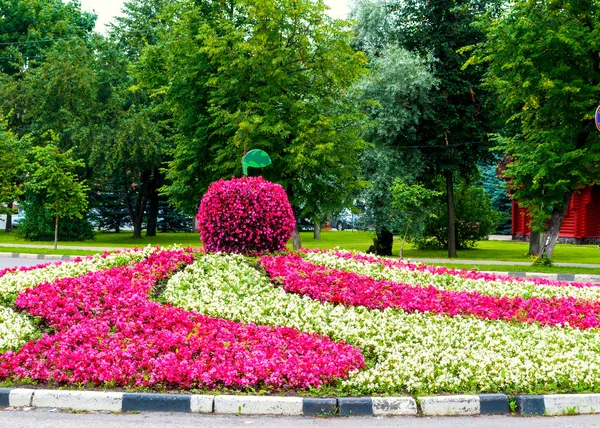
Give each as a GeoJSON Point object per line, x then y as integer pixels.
{"type": "Point", "coordinates": [137, 227]}
{"type": "Point", "coordinates": [56, 233]}
{"type": "Point", "coordinates": [317, 231]}
{"type": "Point", "coordinates": [8, 226]}
{"type": "Point", "coordinates": [535, 243]}
{"type": "Point", "coordinates": [152, 214]}
{"type": "Point", "coordinates": [556, 221]}
{"type": "Point", "coordinates": [451, 217]}
{"type": "Point", "coordinates": [136, 213]}
{"type": "Point", "coordinates": [405, 235]}
{"type": "Point", "coordinates": [384, 242]}
{"type": "Point", "coordinates": [296, 241]}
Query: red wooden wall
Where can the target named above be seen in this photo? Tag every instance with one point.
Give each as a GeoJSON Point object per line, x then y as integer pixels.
{"type": "Point", "coordinates": [582, 220]}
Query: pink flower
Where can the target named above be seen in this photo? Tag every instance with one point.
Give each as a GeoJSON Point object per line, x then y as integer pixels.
{"type": "Point", "coordinates": [245, 215]}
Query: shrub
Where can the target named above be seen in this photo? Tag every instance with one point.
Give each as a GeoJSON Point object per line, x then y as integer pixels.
{"type": "Point", "coordinates": [38, 224]}
{"type": "Point", "coordinates": [475, 219]}
{"type": "Point", "coordinates": [245, 215]}
{"type": "Point", "coordinates": [541, 261]}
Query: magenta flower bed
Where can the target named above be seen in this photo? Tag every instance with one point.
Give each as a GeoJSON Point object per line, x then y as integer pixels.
{"type": "Point", "coordinates": [325, 284]}
{"type": "Point", "coordinates": [108, 332]}
{"type": "Point", "coordinates": [247, 215]}
{"type": "Point", "coordinates": [463, 273]}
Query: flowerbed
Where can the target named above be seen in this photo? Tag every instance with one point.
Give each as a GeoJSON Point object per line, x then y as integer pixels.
{"type": "Point", "coordinates": [362, 324]}
{"type": "Point", "coordinates": [337, 286]}
{"type": "Point", "coordinates": [17, 328]}
{"type": "Point", "coordinates": [491, 284]}
{"type": "Point", "coordinates": [418, 353]}
{"type": "Point", "coordinates": [106, 331]}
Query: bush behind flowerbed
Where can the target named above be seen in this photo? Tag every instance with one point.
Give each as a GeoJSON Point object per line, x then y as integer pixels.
{"type": "Point", "coordinates": [245, 215]}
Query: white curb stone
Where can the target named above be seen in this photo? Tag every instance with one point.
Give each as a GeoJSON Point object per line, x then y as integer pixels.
{"type": "Point", "coordinates": [79, 400]}
{"type": "Point", "coordinates": [564, 404]}
{"type": "Point", "coordinates": [249, 405]}
{"type": "Point", "coordinates": [20, 397]}
{"type": "Point", "coordinates": [394, 406]}
{"type": "Point", "coordinates": [451, 405]}
{"type": "Point", "coordinates": [201, 403]}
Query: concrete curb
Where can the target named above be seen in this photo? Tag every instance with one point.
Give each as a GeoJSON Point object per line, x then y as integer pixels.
{"type": "Point", "coordinates": [453, 405]}
{"type": "Point", "coordinates": [257, 405]}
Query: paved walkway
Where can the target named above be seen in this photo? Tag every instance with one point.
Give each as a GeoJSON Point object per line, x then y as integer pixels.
{"type": "Point", "coordinates": [63, 247]}
{"type": "Point", "coordinates": [424, 260]}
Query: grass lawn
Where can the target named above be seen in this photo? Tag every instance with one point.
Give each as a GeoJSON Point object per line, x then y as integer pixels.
{"type": "Point", "coordinates": [350, 240]}
{"type": "Point", "coordinates": [117, 240]}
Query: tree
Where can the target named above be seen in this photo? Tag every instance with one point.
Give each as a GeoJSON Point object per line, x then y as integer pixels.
{"type": "Point", "coordinates": [475, 217]}
{"type": "Point", "coordinates": [139, 25]}
{"type": "Point", "coordinates": [452, 137]}
{"type": "Point", "coordinates": [53, 175]}
{"type": "Point", "coordinates": [414, 203]}
{"type": "Point", "coordinates": [137, 31]}
{"type": "Point", "coordinates": [28, 28]}
{"type": "Point", "coordinates": [132, 162]}
{"type": "Point", "coordinates": [274, 75]}
{"type": "Point", "coordinates": [108, 208]}
{"type": "Point", "coordinates": [13, 158]}
{"type": "Point", "coordinates": [61, 94]}
{"type": "Point", "coordinates": [544, 64]}
{"type": "Point", "coordinates": [397, 97]}
{"type": "Point", "coordinates": [495, 185]}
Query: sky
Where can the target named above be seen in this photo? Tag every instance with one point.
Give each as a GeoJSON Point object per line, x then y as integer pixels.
{"type": "Point", "coordinates": [107, 9]}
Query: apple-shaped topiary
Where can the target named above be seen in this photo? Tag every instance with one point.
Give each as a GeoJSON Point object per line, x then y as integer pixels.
{"type": "Point", "coordinates": [247, 215]}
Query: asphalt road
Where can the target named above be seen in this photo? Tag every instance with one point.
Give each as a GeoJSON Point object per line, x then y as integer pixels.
{"type": "Point", "coordinates": [10, 262]}
{"type": "Point", "coordinates": [48, 418]}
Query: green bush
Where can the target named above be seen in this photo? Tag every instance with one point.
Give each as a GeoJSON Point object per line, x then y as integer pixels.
{"type": "Point", "coordinates": [475, 219]}
{"type": "Point", "coordinates": [541, 261]}
{"type": "Point", "coordinates": [38, 224]}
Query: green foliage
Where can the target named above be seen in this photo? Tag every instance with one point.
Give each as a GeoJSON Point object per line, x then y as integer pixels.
{"type": "Point", "coordinates": [452, 134]}
{"type": "Point", "coordinates": [274, 75]}
{"type": "Point", "coordinates": [28, 28]}
{"type": "Point", "coordinates": [381, 165]}
{"type": "Point", "coordinates": [60, 94]}
{"type": "Point", "coordinates": [39, 223]}
{"type": "Point", "coordinates": [399, 89]}
{"type": "Point", "coordinates": [450, 137]}
{"type": "Point", "coordinates": [544, 64]}
{"type": "Point", "coordinates": [475, 219]}
{"type": "Point", "coordinates": [13, 158]}
{"type": "Point", "coordinates": [497, 188]}
{"type": "Point", "coordinates": [396, 93]}
{"type": "Point", "coordinates": [108, 208]}
{"type": "Point", "coordinates": [541, 261]}
{"type": "Point", "coordinates": [414, 203]}
{"type": "Point", "coordinates": [138, 25]}
{"type": "Point", "coordinates": [53, 176]}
